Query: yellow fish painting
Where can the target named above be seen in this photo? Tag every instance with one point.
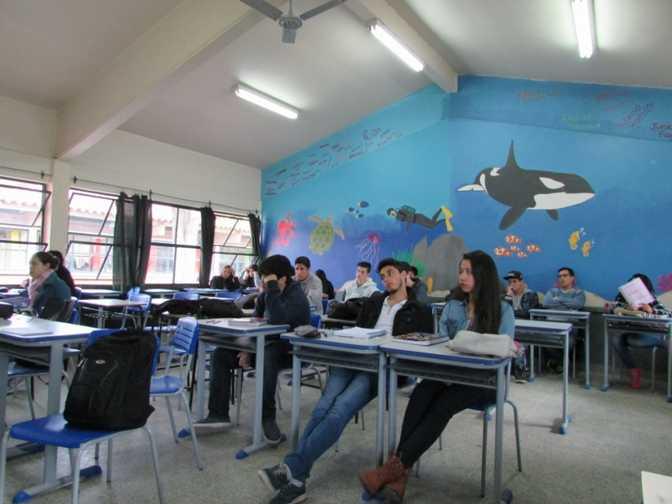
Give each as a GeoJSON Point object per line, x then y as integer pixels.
{"type": "Point", "coordinates": [575, 238]}
{"type": "Point", "coordinates": [447, 216]}
{"type": "Point", "coordinates": [587, 247]}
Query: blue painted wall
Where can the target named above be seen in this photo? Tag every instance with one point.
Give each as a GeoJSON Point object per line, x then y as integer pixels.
{"type": "Point", "coordinates": [331, 201]}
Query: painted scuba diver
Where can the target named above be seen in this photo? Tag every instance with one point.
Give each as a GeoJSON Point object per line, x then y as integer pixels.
{"type": "Point", "coordinates": [530, 189]}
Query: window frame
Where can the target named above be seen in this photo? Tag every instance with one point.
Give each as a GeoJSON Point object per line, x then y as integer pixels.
{"type": "Point", "coordinates": [230, 250]}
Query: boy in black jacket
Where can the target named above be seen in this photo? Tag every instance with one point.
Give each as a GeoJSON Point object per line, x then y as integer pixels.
{"type": "Point", "coordinates": [347, 391]}
{"type": "Point", "coordinates": [282, 301]}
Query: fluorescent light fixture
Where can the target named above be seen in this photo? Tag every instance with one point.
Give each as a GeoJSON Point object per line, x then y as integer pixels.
{"type": "Point", "coordinates": [390, 41]}
{"type": "Point", "coordinates": [265, 101]}
{"type": "Point", "coordinates": [584, 23]}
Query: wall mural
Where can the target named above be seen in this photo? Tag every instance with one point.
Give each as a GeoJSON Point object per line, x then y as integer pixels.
{"type": "Point", "coordinates": [395, 184]}
{"type": "Point", "coordinates": [530, 189]}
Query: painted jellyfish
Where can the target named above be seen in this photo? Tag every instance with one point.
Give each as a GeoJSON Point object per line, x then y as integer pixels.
{"type": "Point", "coordinates": [369, 248]}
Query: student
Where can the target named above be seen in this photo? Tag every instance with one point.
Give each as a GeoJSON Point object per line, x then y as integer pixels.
{"type": "Point", "coordinates": [63, 272]}
{"type": "Point", "coordinates": [327, 286]}
{"type": "Point", "coordinates": [311, 285]}
{"type": "Point", "coordinates": [47, 293]}
{"type": "Point", "coordinates": [519, 296]}
{"type": "Point", "coordinates": [251, 278]}
{"type": "Point", "coordinates": [622, 342]}
{"type": "Point", "coordinates": [476, 306]}
{"type": "Point", "coordinates": [419, 287]}
{"type": "Point", "coordinates": [347, 391]}
{"type": "Point", "coordinates": [362, 286]}
{"type": "Point", "coordinates": [566, 296]}
{"type": "Point", "coordinates": [227, 279]}
{"type": "Point", "coordinates": [282, 301]}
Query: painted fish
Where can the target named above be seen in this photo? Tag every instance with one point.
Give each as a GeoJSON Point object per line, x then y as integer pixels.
{"type": "Point", "coordinates": [522, 255]}
{"type": "Point", "coordinates": [286, 231]}
{"type": "Point", "coordinates": [512, 239]}
{"type": "Point", "coordinates": [500, 251]}
{"type": "Point", "coordinates": [533, 248]}
{"type": "Point", "coordinates": [574, 239]}
{"type": "Point", "coordinates": [587, 247]}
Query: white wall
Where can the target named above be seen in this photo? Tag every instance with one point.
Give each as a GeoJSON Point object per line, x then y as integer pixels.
{"type": "Point", "coordinates": [26, 128]}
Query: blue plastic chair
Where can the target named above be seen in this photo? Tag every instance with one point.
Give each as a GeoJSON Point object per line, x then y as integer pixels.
{"type": "Point", "coordinates": [186, 296]}
{"type": "Point", "coordinates": [53, 430]}
{"type": "Point", "coordinates": [138, 314]}
{"type": "Point", "coordinates": [167, 386]}
{"type": "Point", "coordinates": [315, 320]}
{"type": "Point", "coordinates": [229, 295]}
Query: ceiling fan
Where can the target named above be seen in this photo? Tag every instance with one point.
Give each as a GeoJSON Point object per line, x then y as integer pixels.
{"type": "Point", "coordinates": [289, 22]}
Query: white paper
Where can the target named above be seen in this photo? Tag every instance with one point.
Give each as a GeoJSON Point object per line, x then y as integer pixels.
{"type": "Point", "coordinates": [359, 332]}
{"type": "Point", "coordinates": [636, 293]}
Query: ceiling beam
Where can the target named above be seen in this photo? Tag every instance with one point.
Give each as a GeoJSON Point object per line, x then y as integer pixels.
{"type": "Point", "coordinates": [397, 16]}
{"type": "Point", "coordinates": [185, 37]}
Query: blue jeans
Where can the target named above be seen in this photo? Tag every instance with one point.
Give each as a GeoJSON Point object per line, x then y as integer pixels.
{"type": "Point", "coordinates": [624, 341]}
{"type": "Point", "coordinates": [347, 391]}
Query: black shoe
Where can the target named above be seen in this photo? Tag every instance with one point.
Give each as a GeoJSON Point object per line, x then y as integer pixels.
{"type": "Point", "coordinates": [212, 423]}
{"type": "Point", "coordinates": [272, 432]}
{"type": "Point", "coordinates": [521, 374]}
{"type": "Point", "coordinates": [289, 494]}
{"type": "Point", "coordinates": [274, 477]}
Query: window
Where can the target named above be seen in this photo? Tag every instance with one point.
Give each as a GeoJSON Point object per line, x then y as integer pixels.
{"type": "Point", "coordinates": [233, 243]}
{"type": "Point", "coordinates": [90, 236]}
{"type": "Point", "coordinates": [21, 226]}
{"type": "Point", "coordinates": [175, 254]}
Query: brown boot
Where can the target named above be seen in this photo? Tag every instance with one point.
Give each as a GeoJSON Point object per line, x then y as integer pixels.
{"type": "Point", "coordinates": [375, 479]}
{"type": "Point", "coordinates": [393, 493]}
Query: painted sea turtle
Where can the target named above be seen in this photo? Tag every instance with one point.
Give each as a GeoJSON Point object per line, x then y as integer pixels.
{"type": "Point", "coordinates": [322, 237]}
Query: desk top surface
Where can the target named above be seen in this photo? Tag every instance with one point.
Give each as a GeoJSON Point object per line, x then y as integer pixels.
{"type": "Point", "coordinates": [542, 326]}
{"type": "Point", "coordinates": [568, 314]}
{"type": "Point", "coordinates": [224, 327]}
{"type": "Point", "coordinates": [110, 303]}
{"type": "Point", "coordinates": [21, 329]}
{"type": "Point", "coordinates": [440, 352]}
{"type": "Point", "coordinates": [337, 342]}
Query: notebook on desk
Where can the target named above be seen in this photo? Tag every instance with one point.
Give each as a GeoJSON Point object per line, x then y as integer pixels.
{"type": "Point", "coordinates": [246, 322]}
{"type": "Point", "coordinates": [421, 338]}
{"type": "Point", "coordinates": [359, 333]}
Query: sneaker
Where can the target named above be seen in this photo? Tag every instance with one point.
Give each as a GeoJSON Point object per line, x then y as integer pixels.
{"type": "Point", "coordinates": [212, 423]}
{"type": "Point", "coordinates": [274, 477]}
{"type": "Point", "coordinates": [289, 494]}
{"type": "Point", "coordinates": [272, 432]}
{"type": "Point", "coordinates": [521, 374]}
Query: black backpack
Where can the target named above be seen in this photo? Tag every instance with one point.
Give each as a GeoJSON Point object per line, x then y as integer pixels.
{"type": "Point", "coordinates": [219, 308]}
{"type": "Point", "coordinates": [347, 311]}
{"type": "Point", "coordinates": [110, 390]}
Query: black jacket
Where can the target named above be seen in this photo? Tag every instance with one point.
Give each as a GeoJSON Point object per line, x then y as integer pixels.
{"type": "Point", "coordinates": [289, 306]}
{"type": "Point", "coordinates": [412, 317]}
{"type": "Point", "coordinates": [219, 282]}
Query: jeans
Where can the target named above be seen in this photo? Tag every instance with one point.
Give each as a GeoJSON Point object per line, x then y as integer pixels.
{"type": "Point", "coordinates": [223, 361]}
{"type": "Point", "coordinates": [429, 410]}
{"type": "Point", "coordinates": [623, 342]}
{"type": "Point", "coordinates": [347, 391]}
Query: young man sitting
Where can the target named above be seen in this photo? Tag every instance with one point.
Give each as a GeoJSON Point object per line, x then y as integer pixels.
{"type": "Point", "coordinates": [362, 286]}
{"type": "Point", "coordinates": [226, 280]}
{"type": "Point", "coordinates": [522, 300]}
{"type": "Point", "coordinates": [311, 285]}
{"type": "Point", "coordinates": [347, 391]}
{"type": "Point", "coordinates": [566, 296]}
{"type": "Point", "coordinates": [282, 301]}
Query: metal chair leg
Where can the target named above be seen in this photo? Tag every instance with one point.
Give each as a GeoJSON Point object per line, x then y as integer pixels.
{"type": "Point", "coordinates": [3, 463]}
{"type": "Point", "coordinates": [172, 419]}
{"type": "Point", "coordinates": [96, 453]}
{"type": "Point", "coordinates": [417, 468]}
{"type": "Point", "coordinates": [155, 462]}
{"type": "Point", "coordinates": [363, 422]}
{"type": "Point", "coordinates": [517, 429]}
{"type": "Point", "coordinates": [29, 395]}
{"type": "Point", "coordinates": [441, 441]}
{"type": "Point", "coordinates": [484, 453]}
{"type": "Point", "coordinates": [239, 394]}
{"type": "Point", "coordinates": [109, 461]}
{"type": "Point", "coordinates": [194, 439]}
{"type": "Point", "coordinates": [75, 457]}
{"type": "Point", "coordinates": [653, 368]}
{"type": "Point", "coordinates": [277, 396]}
{"type": "Point", "coordinates": [574, 360]}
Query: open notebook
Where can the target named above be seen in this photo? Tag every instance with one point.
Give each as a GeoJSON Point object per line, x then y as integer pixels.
{"type": "Point", "coordinates": [420, 338]}
{"type": "Point", "coordinates": [359, 333]}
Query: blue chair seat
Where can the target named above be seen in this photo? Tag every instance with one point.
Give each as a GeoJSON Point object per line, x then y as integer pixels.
{"type": "Point", "coordinates": [54, 430]}
{"type": "Point", "coordinates": [166, 384]}
{"type": "Point", "coordinates": [177, 352]}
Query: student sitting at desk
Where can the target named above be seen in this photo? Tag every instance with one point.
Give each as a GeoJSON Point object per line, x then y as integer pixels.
{"type": "Point", "coordinates": [347, 391]}
{"type": "Point", "coordinates": [281, 302]}
{"type": "Point", "coordinates": [417, 285]}
{"type": "Point", "coordinates": [622, 342]}
{"type": "Point", "coordinates": [311, 285]}
{"type": "Point", "coordinates": [48, 294]}
{"type": "Point", "coordinates": [362, 286]}
{"type": "Point", "coordinates": [63, 272]}
{"type": "Point", "coordinates": [327, 286]}
{"type": "Point", "coordinates": [227, 279]}
{"type": "Point", "coordinates": [519, 296]}
{"type": "Point", "coordinates": [476, 306]}
{"type": "Point", "coordinates": [566, 296]}
{"type": "Point", "coordinates": [251, 278]}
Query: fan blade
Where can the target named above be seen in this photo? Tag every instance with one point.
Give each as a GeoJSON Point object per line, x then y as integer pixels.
{"type": "Point", "coordinates": [265, 8]}
{"type": "Point", "coordinates": [320, 9]}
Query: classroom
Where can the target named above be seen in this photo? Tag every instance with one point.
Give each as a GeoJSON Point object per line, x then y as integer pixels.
{"type": "Point", "coordinates": [335, 251]}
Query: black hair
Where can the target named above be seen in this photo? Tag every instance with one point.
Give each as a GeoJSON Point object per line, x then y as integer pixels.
{"type": "Point", "coordinates": [57, 254]}
{"type": "Point", "coordinates": [405, 266]}
{"type": "Point", "coordinates": [646, 281]}
{"type": "Point", "coordinates": [321, 275]}
{"type": "Point", "coordinates": [568, 269]}
{"type": "Point", "coordinates": [485, 294]}
{"type": "Point", "coordinates": [47, 258]}
{"type": "Point", "coordinates": [277, 265]}
{"type": "Point", "coordinates": [388, 261]}
{"type": "Point", "coordinates": [302, 260]}
{"type": "Point", "coordinates": [365, 264]}
{"type": "Point", "coordinates": [414, 270]}
{"type": "Point", "coordinates": [254, 267]}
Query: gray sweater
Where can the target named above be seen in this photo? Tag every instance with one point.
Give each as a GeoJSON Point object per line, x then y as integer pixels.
{"type": "Point", "coordinates": [312, 288]}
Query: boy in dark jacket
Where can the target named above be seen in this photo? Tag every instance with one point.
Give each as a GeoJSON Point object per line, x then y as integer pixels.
{"type": "Point", "coordinates": [282, 301]}
{"type": "Point", "coordinates": [347, 391]}
{"type": "Point", "coordinates": [522, 300]}
{"type": "Point", "coordinates": [226, 280]}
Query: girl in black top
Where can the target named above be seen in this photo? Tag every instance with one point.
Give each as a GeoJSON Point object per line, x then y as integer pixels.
{"type": "Point", "coordinates": [327, 286]}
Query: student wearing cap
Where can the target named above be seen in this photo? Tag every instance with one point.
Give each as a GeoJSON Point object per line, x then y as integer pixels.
{"type": "Point", "coordinates": [521, 298]}
{"type": "Point", "coordinates": [311, 285]}
{"type": "Point", "coordinates": [281, 302]}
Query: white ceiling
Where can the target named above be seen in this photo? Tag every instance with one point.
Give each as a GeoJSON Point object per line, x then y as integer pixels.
{"type": "Point", "coordinates": [335, 73]}
{"type": "Point", "coordinates": [50, 49]}
{"type": "Point", "coordinates": [535, 39]}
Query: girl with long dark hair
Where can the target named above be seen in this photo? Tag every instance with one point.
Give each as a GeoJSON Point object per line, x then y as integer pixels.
{"type": "Point", "coordinates": [476, 306]}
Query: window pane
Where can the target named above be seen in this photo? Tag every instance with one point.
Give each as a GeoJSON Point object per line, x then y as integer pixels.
{"type": "Point", "coordinates": [232, 232]}
{"type": "Point", "coordinates": [187, 265]}
{"type": "Point", "coordinates": [164, 219]}
{"type": "Point", "coordinates": [237, 262]}
{"type": "Point", "coordinates": [88, 212]}
{"type": "Point", "coordinates": [84, 260]}
{"type": "Point", "coordinates": [161, 265]}
{"type": "Point", "coordinates": [14, 258]}
{"type": "Point", "coordinates": [189, 227]}
{"type": "Point", "coordinates": [20, 207]}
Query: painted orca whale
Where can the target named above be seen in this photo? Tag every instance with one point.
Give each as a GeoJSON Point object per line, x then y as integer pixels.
{"type": "Point", "coordinates": [530, 189]}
